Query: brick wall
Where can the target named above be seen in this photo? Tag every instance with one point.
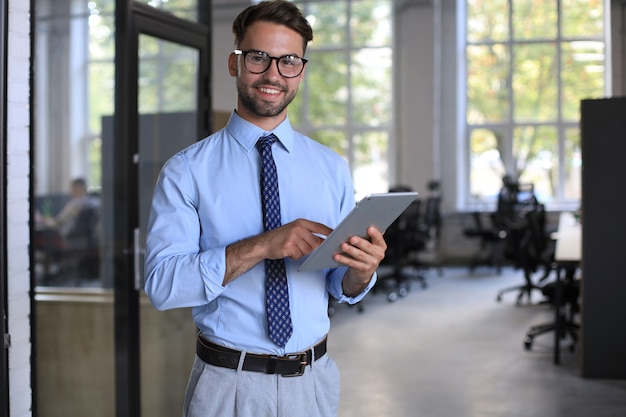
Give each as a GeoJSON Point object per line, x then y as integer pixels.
{"type": "Point", "coordinates": [18, 165]}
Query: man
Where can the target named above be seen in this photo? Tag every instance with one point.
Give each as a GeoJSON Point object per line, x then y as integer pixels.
{"type": "Point", "coordinates": [211, 241]}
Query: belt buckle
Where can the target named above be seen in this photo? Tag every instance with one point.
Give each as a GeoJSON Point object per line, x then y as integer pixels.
{"type": "Point", "coordinates": [299, 356]}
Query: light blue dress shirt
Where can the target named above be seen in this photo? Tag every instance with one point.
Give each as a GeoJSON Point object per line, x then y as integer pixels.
{"type": "Point", "coordinates": [208, 196]}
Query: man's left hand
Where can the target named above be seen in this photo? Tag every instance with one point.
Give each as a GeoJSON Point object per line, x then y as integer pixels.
{"type": "Point", "coordinates": [363, 256]}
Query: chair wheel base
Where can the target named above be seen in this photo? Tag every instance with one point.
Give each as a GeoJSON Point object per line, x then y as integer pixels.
{"type": "Point", "coordinates": [528, 343]}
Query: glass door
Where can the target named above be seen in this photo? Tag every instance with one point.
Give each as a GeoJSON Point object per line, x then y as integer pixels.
{"type": "Point", "coordinates": [167, 108]}
{"type": "Point", "coordinates": [168, 111]}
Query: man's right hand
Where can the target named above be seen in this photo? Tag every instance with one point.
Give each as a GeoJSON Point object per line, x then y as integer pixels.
{"type": "Point", "coordinates": [292, 240]}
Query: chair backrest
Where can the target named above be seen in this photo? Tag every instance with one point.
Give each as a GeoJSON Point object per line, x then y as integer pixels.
{"type": "Point", "coordinates": [84, 229]}
{"type": "Point", "coordinates": [400, 235]}
{"type": "Point", "coordinates": [432, 215]}
{"type": "Point", "coordinates": [535, 239]}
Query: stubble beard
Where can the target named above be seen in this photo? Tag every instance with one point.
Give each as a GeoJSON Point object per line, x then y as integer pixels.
{"type": "Point", "coordinates": [259, 107]}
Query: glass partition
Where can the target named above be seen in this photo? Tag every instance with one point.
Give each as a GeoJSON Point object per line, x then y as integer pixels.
{"type": "Point", "coordinates": [74, 85]}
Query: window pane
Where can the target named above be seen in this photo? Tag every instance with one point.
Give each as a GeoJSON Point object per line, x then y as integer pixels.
{"type": "Point", "coordinates": [327, 79]}
{"type": "Point", "coordinates": [536, 158]}
{"type": "Point", "coordinates": [185, 9]}
{"type": "Point", "coordinates": [74, 83]}
{"type": "Point", "coordinates": [166, 75]}
{"type": "Point", "coordinates": [333, 138]}
{"type": "Point", "coordinates": [102, 80]}
{"type": "Point", "coordinates": [486, 167]}
{"type": "Point", "coordinates": [582, 75]}
{"type": "Point", "coordinates": [487, 92]}
{"type": "Point", "coordinates": [573, 164]}
{"type": "Point", "coordinates": [534, 19]}
{"type": "Point", "coordinates": [535, 83]}
{"type": "Point", "coordinates": [370, 169]}
{"type": "Point", "coordinates": [348, 82]}
{"type": "Point", "coordinates": [535, 97]}
{"type": "Point", "coordinates": [487, 20]}
{"type": "Point", "coordinates": [371, 78]}
{"type": "Point", "coordinates": [582, 18]}
{"type": "Point", "coordinates": [328, 21]}
{"type": "Point", "coordinates": [101, 35]}
{"type": "Point", "coordinates": [371, 23]}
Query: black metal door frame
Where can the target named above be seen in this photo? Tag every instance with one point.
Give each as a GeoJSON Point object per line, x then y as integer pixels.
{"type": "Point", "coordinates": [133, 19]}
{"type": "Point", "coordinates": [4, 368]}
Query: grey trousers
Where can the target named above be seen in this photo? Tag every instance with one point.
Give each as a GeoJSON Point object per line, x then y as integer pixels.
{"type": "Point", "coordinates": [221, 392]}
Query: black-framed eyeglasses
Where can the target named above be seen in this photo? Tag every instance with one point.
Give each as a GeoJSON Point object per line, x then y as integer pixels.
{"type": "Point", "coordinates": [257, 62]}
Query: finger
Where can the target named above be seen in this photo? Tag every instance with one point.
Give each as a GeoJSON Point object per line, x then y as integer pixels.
{"type": "Point", "coordinates": [375, 235]}
{"type": "Point", "coordinates": [310, 227]}
{"type": "Point", "coordinates": [300, 241]}
{"type": "Point", "coordinates": [319, 228]}
{"type": "Point", "coordinates": [363, 266]}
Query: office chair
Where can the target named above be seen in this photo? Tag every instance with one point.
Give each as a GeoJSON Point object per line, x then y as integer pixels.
{"type": "Point", "coordinates": [79, 251]}
{"type": "Point", "coordinates": [567, 309]}
{"type": "Point", "coordinates": [534, 250]}
{"type": "Point", "coordinates": [427, 255]}
{"type": "Point", "coordinates": [402, 236]}
{"type": "Point", "coordinates": [491, 242]}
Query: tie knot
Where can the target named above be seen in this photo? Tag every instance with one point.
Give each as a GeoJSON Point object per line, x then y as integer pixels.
{"type": "Point", "coordinates": [265, 141]}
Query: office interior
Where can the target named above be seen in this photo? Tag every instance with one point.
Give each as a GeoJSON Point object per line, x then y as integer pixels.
{"type": "Point", "coordinates": [81, 337]}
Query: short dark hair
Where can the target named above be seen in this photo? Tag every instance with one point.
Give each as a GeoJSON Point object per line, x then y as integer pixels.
{"type": "Point", "coordinates": [79, 182]}
{"type": "Point", "coordinates": [277, 11]}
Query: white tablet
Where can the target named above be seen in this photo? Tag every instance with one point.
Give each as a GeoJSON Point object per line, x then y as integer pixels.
{"type": "Point", "coordinates": [378, 210]}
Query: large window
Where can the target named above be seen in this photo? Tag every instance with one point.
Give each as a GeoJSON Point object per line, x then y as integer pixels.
{"type": "Point", "coordinates": [345, 101]}
{"type": "Point", "coordinates": [529, 63]}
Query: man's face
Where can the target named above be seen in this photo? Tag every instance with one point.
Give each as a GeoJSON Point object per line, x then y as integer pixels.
{"type": "Point", "coordinates": [266, 95]}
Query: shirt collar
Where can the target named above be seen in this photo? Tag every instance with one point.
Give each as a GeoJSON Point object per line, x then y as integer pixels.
{"type": "Point", "coordinates": [247, 134]}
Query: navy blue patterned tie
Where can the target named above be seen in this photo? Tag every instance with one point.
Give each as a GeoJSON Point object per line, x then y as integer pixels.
{"type": "Point", "coordinates": [276, 291]}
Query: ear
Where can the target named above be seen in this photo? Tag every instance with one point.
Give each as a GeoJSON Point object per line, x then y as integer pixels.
{"type": "Point", "coordinates": [232, 64]}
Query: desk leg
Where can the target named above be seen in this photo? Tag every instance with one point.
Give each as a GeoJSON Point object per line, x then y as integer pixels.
{"type": "Point", "coordinates": [558, 319]}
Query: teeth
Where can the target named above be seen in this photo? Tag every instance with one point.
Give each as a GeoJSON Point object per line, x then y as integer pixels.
{"type": "Point", "coordinates": [269, 90]}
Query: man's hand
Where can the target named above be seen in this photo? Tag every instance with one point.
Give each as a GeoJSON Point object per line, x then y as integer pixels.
{"type": "Point", "coordinates": [363, 257]}
{"type": "Point", "coordinates": [292, 240]}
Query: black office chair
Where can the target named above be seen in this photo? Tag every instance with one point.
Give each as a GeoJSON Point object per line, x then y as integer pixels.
{"type": "Point", "coordinates": [491, 241]}
{"type": "Point", "coordinates": [80, 253]}
{"type": "Point", "coordinates": [402, 238]}
{"type": "Point", "coordinates": [533, 251]}
{"type": "Point", "coordinates": [568, 309]}
{"type": "Point", "coordinates": [427, 252]}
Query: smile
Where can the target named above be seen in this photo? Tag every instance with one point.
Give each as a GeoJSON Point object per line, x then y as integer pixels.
{"type": "Point", "coordinates": [269, 90]}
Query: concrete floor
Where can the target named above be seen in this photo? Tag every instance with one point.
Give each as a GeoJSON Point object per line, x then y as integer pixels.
{"type": "Point", "coordinates": [451, 350]}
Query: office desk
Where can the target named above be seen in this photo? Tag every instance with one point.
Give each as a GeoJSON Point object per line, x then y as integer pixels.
{"type": "Point", "coordinates": [568, 239]}
{"type": "Point", "coordinates": [567, 257]}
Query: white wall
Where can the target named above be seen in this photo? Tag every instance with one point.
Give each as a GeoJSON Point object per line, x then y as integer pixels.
{"type": "Point", "coordinates": [18, 164]}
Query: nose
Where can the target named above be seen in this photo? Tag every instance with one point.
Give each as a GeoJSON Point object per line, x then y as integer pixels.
{"type": "Point", "coordinates": [272, 71]}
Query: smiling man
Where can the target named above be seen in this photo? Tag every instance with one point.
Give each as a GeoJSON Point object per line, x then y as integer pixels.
{"type": "Point", "coordinates": [232, 218]}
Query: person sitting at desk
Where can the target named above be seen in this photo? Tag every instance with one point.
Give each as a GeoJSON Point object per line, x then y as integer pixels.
{"type": "Point", "coordinates": [65, 221]}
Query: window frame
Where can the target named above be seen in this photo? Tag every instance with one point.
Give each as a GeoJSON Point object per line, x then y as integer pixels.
{"type": "Point", "coordinates": [352, 129]}
{"type": "Point", "coordinates": [508, 126]}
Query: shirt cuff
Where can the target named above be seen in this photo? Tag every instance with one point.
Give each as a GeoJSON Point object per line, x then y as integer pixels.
{"type": "Point", "coordinates": [338, 289]}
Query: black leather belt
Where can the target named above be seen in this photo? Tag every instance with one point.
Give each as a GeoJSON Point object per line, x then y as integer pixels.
{"type": "Point", "coordinates": [292, 364]}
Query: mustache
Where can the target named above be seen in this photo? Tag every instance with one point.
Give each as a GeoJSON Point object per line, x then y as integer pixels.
{"type": "Point", "coordinates": [269, 84]}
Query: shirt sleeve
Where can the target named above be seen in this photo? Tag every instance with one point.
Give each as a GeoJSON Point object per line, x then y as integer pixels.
{"type": "Point", "coordinates": [336, 288]}
{"type": "Point", "coordinates": [178, 274]}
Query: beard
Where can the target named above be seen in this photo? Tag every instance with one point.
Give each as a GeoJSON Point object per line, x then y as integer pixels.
{"type": "Point", "coordinates": [263, 108]}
